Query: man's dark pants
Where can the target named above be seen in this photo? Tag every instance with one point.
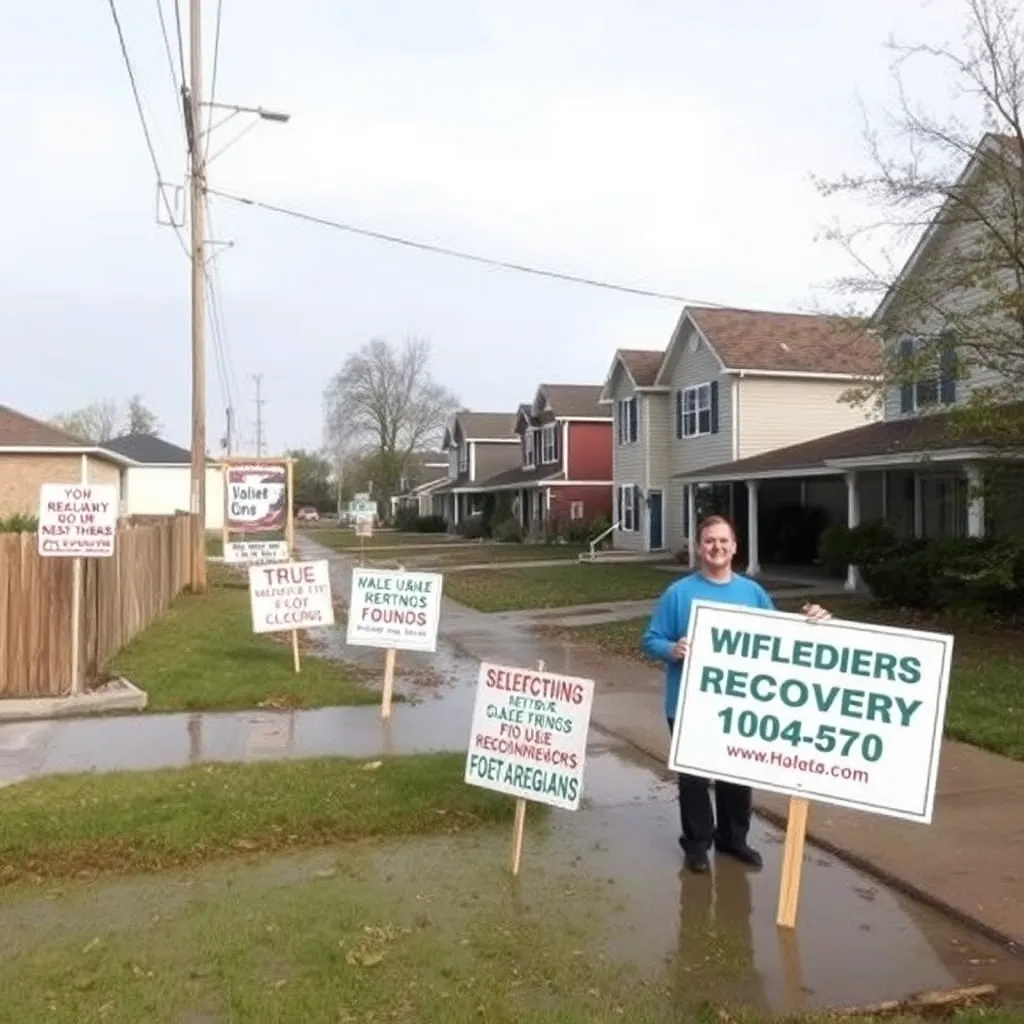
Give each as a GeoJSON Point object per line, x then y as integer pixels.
{"type": "Point", "coordinates": [732, 810]}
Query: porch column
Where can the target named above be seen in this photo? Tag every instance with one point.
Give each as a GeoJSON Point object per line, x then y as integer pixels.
{"type": "Point", "coordinates": [852, 520]}
{"type": "Point", "coordinates": [691, 518]}
{"type": "Point", "coordinates": [753, 555]}
{"type": "Point", "coordinates": [975, 501]}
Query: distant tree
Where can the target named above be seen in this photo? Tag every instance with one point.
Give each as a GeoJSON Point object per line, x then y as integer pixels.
{"type": "Point", "coordinates": [96, 422]}
{"type": "Point", "coordinates": [385, 403]}
{"type": "Point", "coordinates": [967, 310]}
{"type": "Point", "coordinates": [312, 479]}
{"type": "Point", "coordinates": [139, 419]}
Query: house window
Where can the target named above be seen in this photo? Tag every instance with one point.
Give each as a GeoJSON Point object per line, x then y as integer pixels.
{"type": "Point", "coordinates": [464, 457]}
{"type": "Point", "coordinates": [922, 387]}
{"type": "Point", "coordinates": [628, 508]}
{"type": "Point", "coordinates": [528, 450]}
{"type": "Point", "coordinates": [697, 410]}
{"type": "Point", "coordinates": [576, 510]}
{"type": "Point", "coordinates": [549, 443]}
{"type": "Point", "coordinates": [626, 431]}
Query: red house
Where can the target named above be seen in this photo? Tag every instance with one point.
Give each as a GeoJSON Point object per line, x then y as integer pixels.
{"type": "Point", "coordinates": [565, 476]}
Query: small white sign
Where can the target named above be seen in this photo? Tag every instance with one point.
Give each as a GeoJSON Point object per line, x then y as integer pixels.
{"type": "Point", "coordinates": [255, 552]}
{"type": "Point", "coordinates": [391, 608]}
{"type": "Point", "coordinates": [77, 520]}
{"type": "Point", "coordinates": [847, 713]}
{"type": "Point", "coordinates": [364, 526]}
{"type": "Point", "coordinates": [529, 734]}
{"type": "Point", "coordinates": [296, 595]}
{"type": "Point", "coordinates": [364, 508]}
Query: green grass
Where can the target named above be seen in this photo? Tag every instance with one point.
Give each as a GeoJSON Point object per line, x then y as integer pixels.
{"type": "Point", "coordinates": [345, 539]}
{"type": "Point", "coordinates": [555, 586]}
{"type": "Point", "coordinates": [480, 554]}
{"type": "Point", "coordinates": [986, 697]}
{"type": "Point", "coordinates": [69, 825]}
{"type": "Point", "coordinates": [214, 545]}
{"type": "Point", "coordinates": [203, 655]}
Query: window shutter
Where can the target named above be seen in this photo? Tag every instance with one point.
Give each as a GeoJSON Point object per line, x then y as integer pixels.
{"type": "Point", "coordinates": [618, 422]}
{"type": "Point", "coordinates": [947, 372]}
{"type": "Point", "coordinates": [714, 406]}
{"type": "Point", "coordinates": [907, 387]}
{"type": "Point", "coordinates": [558, 442]}
{"type": "Point", "coordinates": [633, 419]}
{"type": "Point", "coordinates": [618, 505]}
{"type": "Point", "coordinates": [636, 507]}
{"type": "Point", "coordinates": [679, 413]}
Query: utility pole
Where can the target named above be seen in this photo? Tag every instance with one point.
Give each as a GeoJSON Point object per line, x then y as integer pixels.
{"type": "Point", "coordinates": [258, 377]}
{"type": "Point", "coordinates": [229, 436]}
{"type": "Point", "coordinates": [192, 98]}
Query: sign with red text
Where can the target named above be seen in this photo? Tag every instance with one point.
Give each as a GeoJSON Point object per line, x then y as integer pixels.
{"type": "Point", "coordinates": [77, 520]}
{"type": "Point", "coordinates": [392, 608]}
{"type": "Point", "coordinates": [529, 734]}
{"type": "Point", "coordinates": [295, 595]}
{"type": "Point", "coordinates": [256, 498]}
{"type": "Point", "coordinates": [255, 552]}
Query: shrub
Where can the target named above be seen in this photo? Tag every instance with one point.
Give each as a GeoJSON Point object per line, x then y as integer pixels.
{"type": "Point", "coordinates": [472, 528]}
{"type": "Point", "coordinates": [863, 546]}
{"type": "Point", "coordinates": [19, 524]}
{"type": "Point", "coordinates": [596, 528]}
{"type": "Point", "coordinates": [430, 524]}
{"type": "Point", "coordinates": [406, 519]}
{"type": "Point", "coordinates": [510, 531]}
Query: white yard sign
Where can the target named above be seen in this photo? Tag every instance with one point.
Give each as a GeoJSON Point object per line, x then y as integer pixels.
{"type": "Point", "coordinates": [529, 734]}
{"type": "Point", "coordinates": [296, 595]}
{"type": "Point", "coordinates": [77, 520]}
{"type": "Point", "coordinates": [364, 526]}
{"type": "Point", "coordinates": [842, 712]}
{"type": "Point", "coordinates": [391, 608]}
{"type": "Point", "coordinates": [255, 552]}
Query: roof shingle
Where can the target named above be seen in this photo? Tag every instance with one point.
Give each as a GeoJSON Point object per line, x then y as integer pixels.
{"type": "Point", "coordinates": [642, 364]}
{"type": "Point", "coordinates": [20, 431]}
{"type": "Point", "coordinates": [575, 400]}
{"type": "Point", "coordinates": [487, 426]}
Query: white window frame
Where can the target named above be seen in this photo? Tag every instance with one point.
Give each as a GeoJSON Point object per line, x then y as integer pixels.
{"type": "Point", "coordinates": [463, 458]}
{"type": "Point", "coordinates": [549, 444]}
{"type": "Point", "coordinates": [627, 415]}
{"type": "Point", "coordinates": [696, 406]}
{"type": "Point", "coordinates": [625, 504]}
{"type": "Point", "coordinates": [528, 441]}
{"type": "Point", "coordinates": [576, 510]}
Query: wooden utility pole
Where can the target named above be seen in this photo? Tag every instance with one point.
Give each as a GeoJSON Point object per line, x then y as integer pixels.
{"type": "Point", "coordinates": [197, 214]}
{"type": "Point", "coordinates": [258, 377]}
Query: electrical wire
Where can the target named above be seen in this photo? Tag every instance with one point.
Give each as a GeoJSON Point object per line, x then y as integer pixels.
{"type": "Point", "coordinates": [441, 250]}
{"type": "Point", "coordinates": [181, 42]}
{"type": "Point", "coordinates": [145, 127]}
{"type": "Point", "coordinates": [213, 73]}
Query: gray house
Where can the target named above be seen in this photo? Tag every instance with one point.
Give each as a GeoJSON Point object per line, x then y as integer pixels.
{"type": "Point", "coordinates": [479, 446]}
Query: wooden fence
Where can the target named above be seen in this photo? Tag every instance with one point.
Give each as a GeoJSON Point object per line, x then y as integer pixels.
{"type": "Point", "coordinates": [121, 596]}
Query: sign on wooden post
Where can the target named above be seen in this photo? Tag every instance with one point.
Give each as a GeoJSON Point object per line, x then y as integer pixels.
{"type": "Point", "coordinates": [396, 610]}
{"type": "Point", "coordinates": [77, 521]}
{"type": "Point", "coordinates": [255, 552]}
{"type": "Point", "coordinates": [529, 739]}
{"type": "Point", "coordinates": [847, 713]}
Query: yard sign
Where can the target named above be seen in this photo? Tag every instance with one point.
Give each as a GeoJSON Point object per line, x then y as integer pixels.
{"type": "Point", "coordinates": [255, 552]}
{"type": "Point", "coordinates": [847, 713]}
{"type": "Point", "coordinates": [396, 610]}
{"type": "Point", "coordinates": [529, 738]}
{"type": "Point", "coordinates": [77, 520]}
{"type": "Point", "coordinates": [257, 496]}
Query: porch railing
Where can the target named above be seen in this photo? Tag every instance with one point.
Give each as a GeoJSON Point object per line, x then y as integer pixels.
{"type": "Point", "coordinates": [601, 536]}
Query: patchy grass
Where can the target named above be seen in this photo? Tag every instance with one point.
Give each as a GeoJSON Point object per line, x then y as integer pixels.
{"type": "Point", "coordinates": [342, 539]}
{"type": "Point", "coordinates": [214, 545]}
{"type": "Point", "coordinates": [69, 825]}
{"type": "Point", "coordinates": [203, 655]}
{"type": "Point", "coordinates": [555, 586]}
{"type": "Point", "coordinates": [986, 700]}
{"type": "Point", "coordinates": [482, 554]}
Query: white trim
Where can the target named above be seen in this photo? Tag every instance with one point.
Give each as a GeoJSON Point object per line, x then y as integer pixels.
{"type": "Point", "coordinates": [98, 452]}
{"type": "Point", "coordinates": [492, 440]}
{"type": "Point", "coordinates": [801, 374]}
{"type": "Point", "coordinates": [579, 483]}
{"type": "Point", "coordinates": [646, 442]}
{"type": "Point", "coordinates": [695, 412]}
{"type": "Point", "coordinates": [915, 457]}
{"type": "Point", "coordinates": [520, 485]}
{"type": "Point", "coordinates": [684, 317]}
{"type": "Point", "coordinates": [472, 459]}
{"type": "Point", "coordinates": [726, 477]}
{"type": "Point", "coordinates": [565, 447]}
{"type": "Point", "coordinates": [584, 419]}
{"type": "Point", "coordinates": [736, 397]}
{"type": "Point", "coordinates": [549, 432]}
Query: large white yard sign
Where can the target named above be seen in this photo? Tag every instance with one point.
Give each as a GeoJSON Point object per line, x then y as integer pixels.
{"type": "Point", "coordinates": [529, 734]}
{"type": "Point", "coordinates": [392, 608]}
{"type": "Point", "coordinates": [77, 520]}
{"type": "Point", "coordinates": [296, 595]}
{"type": "Point", "coordinates": [843, 712]}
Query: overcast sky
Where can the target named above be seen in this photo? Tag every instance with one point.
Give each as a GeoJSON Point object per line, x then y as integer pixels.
{"type": "Point", "coordinates": [665, 144]}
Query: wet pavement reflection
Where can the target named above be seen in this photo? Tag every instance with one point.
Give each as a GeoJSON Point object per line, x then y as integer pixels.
{"type": "Point", "coordinates": [856, 941]}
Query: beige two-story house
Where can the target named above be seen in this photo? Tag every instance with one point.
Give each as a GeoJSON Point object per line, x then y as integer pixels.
{"type": "Point", "coordinates": [731, 384]}
{"type": "Point", "coordinates": [479, 446]}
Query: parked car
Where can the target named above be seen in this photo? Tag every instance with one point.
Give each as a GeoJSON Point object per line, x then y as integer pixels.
{"type": "Point", "coordinates": [307, 514]}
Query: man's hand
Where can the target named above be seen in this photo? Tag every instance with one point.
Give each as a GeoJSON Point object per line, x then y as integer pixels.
{"type": "Point", "coordinates": [815, 613]}
{"type": "Point", "coordinates": [680, 649]}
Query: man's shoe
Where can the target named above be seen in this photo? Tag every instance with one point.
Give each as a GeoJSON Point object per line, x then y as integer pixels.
{"type": "Point", "coordinates": [743, 853]}
{"type": "Point", "coordinates": [695, 861]}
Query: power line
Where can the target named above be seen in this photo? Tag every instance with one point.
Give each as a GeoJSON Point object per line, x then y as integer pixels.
{"type": "Point", "coordinates": [213, 71]}
{"type": "Point", "coordinates": [181, 43]}
{"type": "Point", "coordinates": [441, 250]}
{"type": "Point", "coordinates": [145, 126]}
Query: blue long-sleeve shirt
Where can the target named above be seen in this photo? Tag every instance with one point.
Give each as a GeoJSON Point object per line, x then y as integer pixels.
{"type": "Point", "coordinates": [671, 620]}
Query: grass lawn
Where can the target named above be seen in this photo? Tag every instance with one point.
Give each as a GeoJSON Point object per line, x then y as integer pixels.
{"type": "Point", "coordinates": [203, 655]}
{"type": "Point", "coordinates": [68, 825]}
{"type": "Point", "coordinates": [986, 698]}
{"type": "Point", "coordinates": [478, 554]}
{"type": "Point", "coordinates": [555, 586]}
{"type": "Point", "coordinates": [345, 539]}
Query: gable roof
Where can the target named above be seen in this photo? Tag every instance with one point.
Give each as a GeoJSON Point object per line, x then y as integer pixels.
{"type": "Point", "coordinates": [641, 365]}
{"type": "Point", "coordinates": [20, 431]}
{"type": "Point", "coordinates": [569, 401]}
{"type": "Point", "coordinates": [149, 450]}
{"type": "Point", "coordinates": [482, 426]}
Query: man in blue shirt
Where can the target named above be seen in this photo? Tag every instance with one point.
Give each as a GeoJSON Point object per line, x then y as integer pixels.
{"type": "Point", "coordinates": [665, 639]}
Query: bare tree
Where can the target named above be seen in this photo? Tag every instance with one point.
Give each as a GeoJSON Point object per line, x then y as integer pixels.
{"type": "Point", "coordinates": [139, 419]}
{"type": "Point", "coordinates": [386, 404]}
{"type": "Point", "coordinates": [964, 174]}
{"type": "Point", "coordinates": [96, 422]}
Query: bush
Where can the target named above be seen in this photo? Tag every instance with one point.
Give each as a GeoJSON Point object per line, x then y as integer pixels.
{"type": "Point", "coordinates": [596, 528]}
{"type": "Point", "coordinates": [430, 524]}
{"type": "Point", "coordinates": [406, 519]}
{"type": "Point", "coordinates": [509, 531]}
{"type": "Point", "coordinates": [863, 546]}
{"type": "Point", "coordinates": [19, 524]}
{"type": "Point", "coordinates": [578, 532]}
{"type": "Point", "coordinates": [472, 528]}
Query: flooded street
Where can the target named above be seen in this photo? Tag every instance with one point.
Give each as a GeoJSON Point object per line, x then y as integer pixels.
{"type": "Point", "coordinates": [614, 863]}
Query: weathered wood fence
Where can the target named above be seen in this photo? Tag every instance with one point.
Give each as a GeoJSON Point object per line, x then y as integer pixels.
{"type": "Point", "coordinates": [121, 596]}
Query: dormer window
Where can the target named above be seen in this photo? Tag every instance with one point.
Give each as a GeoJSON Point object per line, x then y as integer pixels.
{"type": "Point", "coordinates": [927, 386]}
{"type": "Point", "coordinates": [549, 443]}
{"type": "Point", "coordinates": [464, 457]}
{"type": "Point", "coordinates": [528, 447]}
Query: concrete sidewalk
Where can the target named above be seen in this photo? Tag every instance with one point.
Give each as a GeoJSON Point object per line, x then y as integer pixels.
{"type": "Point", "coordinates": [969, 861]}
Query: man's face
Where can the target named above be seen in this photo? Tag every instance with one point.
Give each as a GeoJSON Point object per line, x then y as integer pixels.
{"type": "Point", "coordinates": [717, 546]}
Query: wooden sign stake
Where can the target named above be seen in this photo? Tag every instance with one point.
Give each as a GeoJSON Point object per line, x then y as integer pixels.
{"type": "Point", "coordinates": [792, 862]}
{"type": "Point", "coordinates": [389, 677]}
{"type": "Point", "coordinates": [76, 606]}
{"type": "Point", "coordinates": [289, 533]}
{"type": "Point", "coordinates": [519, 825]}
